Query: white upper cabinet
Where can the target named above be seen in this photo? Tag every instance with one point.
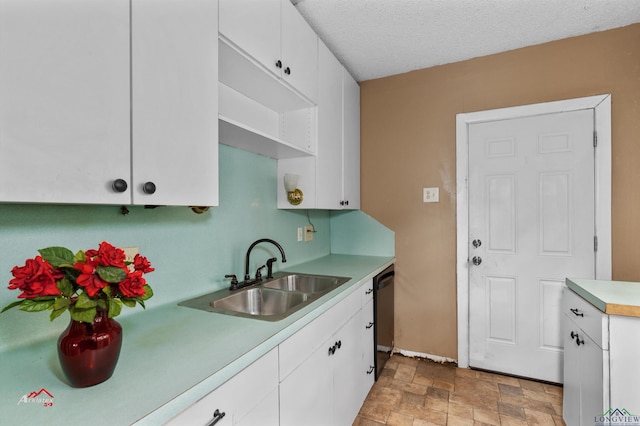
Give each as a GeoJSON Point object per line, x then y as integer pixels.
{"type": "Point", "coordinates": [299, 52]}
{"type": "Point", "coordinates": [253, 26]}
{"type": "Point", "coordinates": [331, 179]}
{"type": "Point", "coordinates": [351, 142]}
{"type": "Point", "coordinates": [175, 102]}
{"type": "Point", "coordinates": [72, 122]}
{"type": "Point", "coordinates": [64, 100]}
{"type": "Point", "coordinates": [275, 35]}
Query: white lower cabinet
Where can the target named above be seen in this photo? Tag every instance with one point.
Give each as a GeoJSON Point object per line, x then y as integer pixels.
{"type": "Point", "coordinates": [329, 384]}
{"type": "Point", "coordinates": [601, 376]}
{"type": "Point", "coordinates": [318, 376]}
{"type": "Point", "coordinates": [248, 398]}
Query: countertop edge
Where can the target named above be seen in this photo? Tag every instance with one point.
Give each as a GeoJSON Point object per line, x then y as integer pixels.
{"type": "Point", "coordinates": [592, 291]}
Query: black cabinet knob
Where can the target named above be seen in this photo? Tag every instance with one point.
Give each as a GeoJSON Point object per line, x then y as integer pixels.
{"type": "Point", "coordinates": [217, 416]}
{"type": "Point", "coordinates": [119, 185]}
{"type": "Point", "coordinates": [576, 312]}
{"type": "Point", "coordinates": [149, 188]}
{"type": "Point", "coordinates": [278, 64]}
{"type": "Point", "coordinates": [287, 71]}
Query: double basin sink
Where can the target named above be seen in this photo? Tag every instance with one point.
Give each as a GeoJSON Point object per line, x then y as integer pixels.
{"type": "Point", "coordinates": [270, 300]}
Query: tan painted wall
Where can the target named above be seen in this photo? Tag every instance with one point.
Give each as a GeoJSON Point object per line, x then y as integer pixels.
{"type": "Point", "coordinates": [408, 142]}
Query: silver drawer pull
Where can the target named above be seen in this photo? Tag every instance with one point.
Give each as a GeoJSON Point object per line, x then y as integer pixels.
{"type": "Point", "coordinates": [576, 312]}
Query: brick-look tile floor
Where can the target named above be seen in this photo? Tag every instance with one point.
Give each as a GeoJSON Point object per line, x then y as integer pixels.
{"type": "Point", "coordinates": [419, 392]}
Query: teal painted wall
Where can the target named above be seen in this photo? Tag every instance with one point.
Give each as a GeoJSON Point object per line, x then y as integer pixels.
{"type": "Point", "coordinates": [355, 232]}
{"type": "Point", "coordinates": [191, 253]}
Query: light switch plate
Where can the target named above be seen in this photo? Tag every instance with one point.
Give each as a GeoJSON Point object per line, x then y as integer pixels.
{"type": "Point", "coordinates": [299, 233]}
{"type": "Point", "coordinates": [431, 195]}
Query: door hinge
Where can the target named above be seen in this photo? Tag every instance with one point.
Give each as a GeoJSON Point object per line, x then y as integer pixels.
{"type": "Point", "coordinates": [595, 243]}
{"type": "Point", "coordinates": [595, 139]}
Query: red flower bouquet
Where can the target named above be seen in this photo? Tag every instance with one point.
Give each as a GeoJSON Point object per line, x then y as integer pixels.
{"type": "Point", "coordinates": [82, 283]}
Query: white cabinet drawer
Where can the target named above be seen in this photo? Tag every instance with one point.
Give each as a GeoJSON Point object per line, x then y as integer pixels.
{"type": "Point", "coordinates": [301, 345]}
{"type": "Point", "coordinates": [590, 319]}
{"type": "Point", "coordinates": [237, 397]}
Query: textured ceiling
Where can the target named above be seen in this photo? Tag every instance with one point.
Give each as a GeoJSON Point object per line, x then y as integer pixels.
{"type": "Point", "coordinates": [377, 38]}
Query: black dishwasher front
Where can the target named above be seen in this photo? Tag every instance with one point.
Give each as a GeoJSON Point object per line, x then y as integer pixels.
{"type": "Point", "coordinates": [383, 314]}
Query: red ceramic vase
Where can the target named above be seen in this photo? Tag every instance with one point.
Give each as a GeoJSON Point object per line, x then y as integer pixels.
{"type": "Point", "coordinates": [89, 352]}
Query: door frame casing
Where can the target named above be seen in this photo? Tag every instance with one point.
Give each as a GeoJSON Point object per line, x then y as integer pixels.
{"type": "Point", "coordinates": [601, 105]}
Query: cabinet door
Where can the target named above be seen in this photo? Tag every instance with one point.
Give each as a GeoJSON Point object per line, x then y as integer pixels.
{"type": "Point", "coordinates": [265, 413]}
{"type": "Point", "coordinates": [351, 142]}
{"type": "Point", "coordinates": [64, 100]}
{"type": "Point", "coordinates": [299, 52]}
{"type": "Point", "coordinates": [329, 157]}
{"type": "Point", "coordinates": [175, 102]}
{"type": "Point", "coordinates": [246, 393]}
{"type": "Point", "coordinates": [572, 373]}
{"type": "Point", "coordinates": [348, 375]}
{"type": "Point", "coordinates": [254, 27]}
{"type": "Point", "coordinates": [591, 380]}
{"type": "Point", "coordinates": [306, 395]}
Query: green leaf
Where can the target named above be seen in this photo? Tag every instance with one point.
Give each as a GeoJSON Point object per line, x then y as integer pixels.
{"type": "Point", "coordinates": [11, 305]}
{"type": "Point", "coordinates": [107, 290]}
{"type": "Point", "coordinates": [141, 302]}
{"type": "Point", "coordinates": [57, 256]}
{"type": "Point", "coordinates": [84, 315]}
{"type": "Point", "coordinates": [84, 302]}
{"type": "Point", "coordinates": [61, 303]}
{"type": "Point", "coordinates": [148, 293]}
{"type": "Point", "coordinates": [115, 307]}
{"type": "Point", "coordinates": [111, 274]}
{"type": "Point", "coordinates": [131, 303]}
{"type": "Point", "coordinates": [80, 257]}
{"type": "Point", "coordinates": [102, 304]}
{"type": "Point", "coordinates": [65, 287]}
{"type": "Point", "coordinates": [34, 305]}
{"type": "Point", "coordinates": [56, 313]}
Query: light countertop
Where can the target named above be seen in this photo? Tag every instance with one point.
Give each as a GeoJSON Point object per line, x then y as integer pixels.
{"type": "Point", "coordinates": [611, 297]}
{"type": "Point", "coordinates": [171, 357]}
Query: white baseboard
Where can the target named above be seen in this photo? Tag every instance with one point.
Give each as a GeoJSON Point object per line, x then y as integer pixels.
{"type": "Point", "coordinates": [436, 358]}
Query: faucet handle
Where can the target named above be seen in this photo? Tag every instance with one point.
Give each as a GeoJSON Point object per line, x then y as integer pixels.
{"type": "Point", "coordinates": [234, 281]}
{"type": "Point", "coordinates": [258, 274]}
{"type": "Point", "coordinates": [270, 267]}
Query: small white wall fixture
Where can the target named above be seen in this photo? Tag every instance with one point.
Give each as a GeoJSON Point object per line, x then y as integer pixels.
{"type": "Point", "coordinates": [601, 104]}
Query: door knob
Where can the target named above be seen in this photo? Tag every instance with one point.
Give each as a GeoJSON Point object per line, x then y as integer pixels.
{"type": "Point", "coordinates": [476, 260]}
{"type": "Point", "coordinates": [476, 243]}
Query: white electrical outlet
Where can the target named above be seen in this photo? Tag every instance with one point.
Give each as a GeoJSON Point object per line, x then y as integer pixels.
{"type": "Point", "coordinates": [431, 195]}
{"type": "Point", "coordinates": [130, 253]}
{"type": "Point", "coordinates": [299, 233]}
{"type": "Point", "coordinates": [308, 233]}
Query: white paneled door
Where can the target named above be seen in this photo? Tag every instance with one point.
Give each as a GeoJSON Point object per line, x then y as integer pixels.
{"type": "Point", "coordinates": [531, 225]}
